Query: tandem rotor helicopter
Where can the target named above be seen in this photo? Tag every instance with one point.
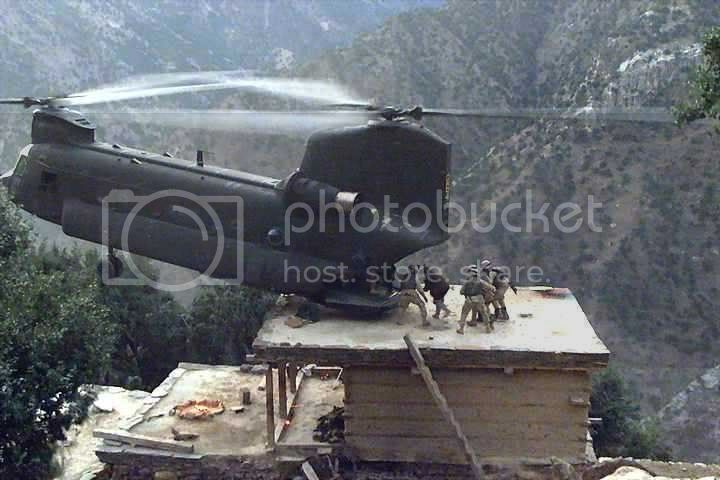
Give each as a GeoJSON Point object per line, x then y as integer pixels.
{"type": "Point", "coordinates": [66, 176]}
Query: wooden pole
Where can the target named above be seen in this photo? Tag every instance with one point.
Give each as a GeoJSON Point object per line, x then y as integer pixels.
{"type": "Point", "coordinates": [270, 406]}
{"type": "Point", "coordinates": [292, 377]}
{"type": "Point", "coordinates": [445, 409]}
{"type": "Point", "coordinates": [282, 390]}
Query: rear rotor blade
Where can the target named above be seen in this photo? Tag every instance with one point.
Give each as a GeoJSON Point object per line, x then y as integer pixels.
{"type": "Point", "coordinates": [24, 101]}
{"type": "Point", "coordinates": [645, 115]}
{"type": "Point", "coordinates": [279, 122]}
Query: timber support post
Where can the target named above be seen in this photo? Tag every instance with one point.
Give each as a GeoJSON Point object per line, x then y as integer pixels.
{"type": "Point", "coordinates": [292, 376]}
{"type": "Point", "coordinates": [270, 406]}
{"type": "Point", "coordinates": [282, 390]}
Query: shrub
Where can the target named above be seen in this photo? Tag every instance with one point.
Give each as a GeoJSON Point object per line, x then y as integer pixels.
{"type": "Point", "coordinates": [622, 432]}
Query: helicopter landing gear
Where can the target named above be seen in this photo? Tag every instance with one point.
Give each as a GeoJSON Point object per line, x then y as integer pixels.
{"type": "Point", "coordinates": [111, 264]}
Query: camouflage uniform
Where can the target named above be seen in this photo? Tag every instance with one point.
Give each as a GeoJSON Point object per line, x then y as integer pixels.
{"type": "Point", "coordinates": [475, 292]}
{"type": "Point", "coordinates": [500, 280]}
{"type": "Point", "coordinates": [410, 294]}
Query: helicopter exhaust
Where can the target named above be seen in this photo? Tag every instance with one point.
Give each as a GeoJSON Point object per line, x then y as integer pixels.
{"type": "Point", "coordinates": [317, 195]}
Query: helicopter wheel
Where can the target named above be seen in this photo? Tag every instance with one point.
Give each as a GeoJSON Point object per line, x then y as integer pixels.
{"type": "Point", "coordinates": [110, 264]}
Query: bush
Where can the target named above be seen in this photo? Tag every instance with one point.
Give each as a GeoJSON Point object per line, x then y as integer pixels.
{"type": "Point", "coordinates": [152, 333]}
{"type": "Point", "coordinates": [704, 99]}
{"type": "Point", "coordinates": [622, 432]}
{"type": "Point", "coordinates": [224, 322]}
{"type": "Point", "coordinates": [54, 337]}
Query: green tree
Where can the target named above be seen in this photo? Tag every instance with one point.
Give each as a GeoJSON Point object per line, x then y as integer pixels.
{"type": "Point", "coordinates": [54, 337]}
{"type": "Point", "coordinates": [704, 99]}
{"type": "Point", "coordinates": [622, 432]}
{"type": "Point", "coordinates": [224, 322]}
{"type": "Point", "coordinates": [152, 331]}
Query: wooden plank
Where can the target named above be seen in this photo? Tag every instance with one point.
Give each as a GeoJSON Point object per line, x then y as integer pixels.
{"type": "Point", "coordinates": [142, 441]}
{"type": "Point", "coordinates": [270, 406]}
{"type": "Point", "coordinates": [309, 471]}
{"type": "Point", "coordinates": [481, 412]}
{"type": "Point", "coordinates": [282, 391]}
{"type": "Point", "coordinates": [461, 395]}
{"type": "Point", "coordinates": [442, 404]}
{"type": "Point", "coordinates": [520, 431]}
{"type": "Point", "coordinates": [532, 379]}
{"type": "Point", "coordinates": [292, 400]}
{"type": "Point", "coordinates": [453, 358]}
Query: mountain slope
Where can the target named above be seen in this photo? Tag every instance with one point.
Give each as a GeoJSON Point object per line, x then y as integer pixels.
{"type": "Point", "coordinates": [649, 280]}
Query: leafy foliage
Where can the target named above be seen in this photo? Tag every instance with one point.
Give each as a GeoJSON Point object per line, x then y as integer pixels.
{"type": "Point", "coordinates": [54, 337]}
{"type": "Point", "coordinates": [622, 432]}
{"type": "Point", "coordinates": [224, 322]}
{"type": "Point", "coordinates": [151, 332]}
{"type": "Point", "coordinates": [705, 87]}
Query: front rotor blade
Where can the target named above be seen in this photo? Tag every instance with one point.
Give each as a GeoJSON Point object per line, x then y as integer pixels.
{"type": "Point", "coordinates": [245, 120]}
{"type": "Point", "coordinates": [173, 84]}
{"type": "Point", "coordinates": [12, 101]}
{"type": "Point", "coordinates": [646, 115]}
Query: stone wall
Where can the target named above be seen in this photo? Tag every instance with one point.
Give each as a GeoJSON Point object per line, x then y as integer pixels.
{"type": "Point", "coordinates": [146, 464]}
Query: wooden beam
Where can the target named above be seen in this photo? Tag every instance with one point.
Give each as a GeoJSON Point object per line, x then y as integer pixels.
{"type": "Point", "coordinates": [309, 471]}
{"type": "Point", "coordinates": [142, 440]}
{"type": "Point", "coordinates": [292, 374]}
{"type": "Point", "coordinates": [442, 404]}
{"type": "Point", "coordinates": [282, 390]}
{"type": "Point", "coordinates": [281, 428]}
{"type": "Point", "coordinates": [270, 406]}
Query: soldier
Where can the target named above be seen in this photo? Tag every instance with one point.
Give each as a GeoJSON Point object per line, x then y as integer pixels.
{"type": "Point", "coordinates": [410, 293]}
{"type": "Point", "coordinates": [437, 284]}
{"type": "Point", "coordinates": [475, 290]}
{"type": "Point", "coordinates": [501, 281]}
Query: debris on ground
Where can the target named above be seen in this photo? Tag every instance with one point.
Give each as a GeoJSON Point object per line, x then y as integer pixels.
{"type": "Point", "coordinates": [259, 369]}
{"type": "Point", "coordinates": [194, 409]}
{"type": "Point", "coordinates": [238, 409]}
{"type": "Point", "coordinates": [183, 436]}
{"type": "Point", "coordinates": [331, 427]}
{"type": "Point", "coordinates": [295, 322]}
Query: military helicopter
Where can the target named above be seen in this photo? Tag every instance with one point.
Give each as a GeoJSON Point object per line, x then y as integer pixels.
{"type": "Point", "coordinates": [186, 213]}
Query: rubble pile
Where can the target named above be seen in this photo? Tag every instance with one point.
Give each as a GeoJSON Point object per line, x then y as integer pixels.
{"type": "Point", "coordinates": [331, 427]}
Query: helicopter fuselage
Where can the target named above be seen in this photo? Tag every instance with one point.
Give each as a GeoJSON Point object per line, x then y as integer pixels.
{"type": "Point", "coordinates": [298, 235]}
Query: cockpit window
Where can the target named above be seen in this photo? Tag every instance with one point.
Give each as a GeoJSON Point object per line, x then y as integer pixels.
{"type": "Point", "coordinates": [21, 166]}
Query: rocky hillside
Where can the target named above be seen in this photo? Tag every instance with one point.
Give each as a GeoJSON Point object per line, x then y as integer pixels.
{"type": "Point", "coordinates": [649, 280]}
{"type": "Point", "coordinates": [53, 47]}
{"type": "Point", "coordinates": [690, 420]}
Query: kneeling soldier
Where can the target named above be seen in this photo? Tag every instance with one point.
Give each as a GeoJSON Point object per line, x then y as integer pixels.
{"type": "Point", "coordinates": [411, 294]}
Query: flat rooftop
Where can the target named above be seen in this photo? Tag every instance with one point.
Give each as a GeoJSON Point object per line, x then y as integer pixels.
{"type": "Point", "coordinates": [229, 434]}
{"type": "Point", "coordinates": [547, 329]}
